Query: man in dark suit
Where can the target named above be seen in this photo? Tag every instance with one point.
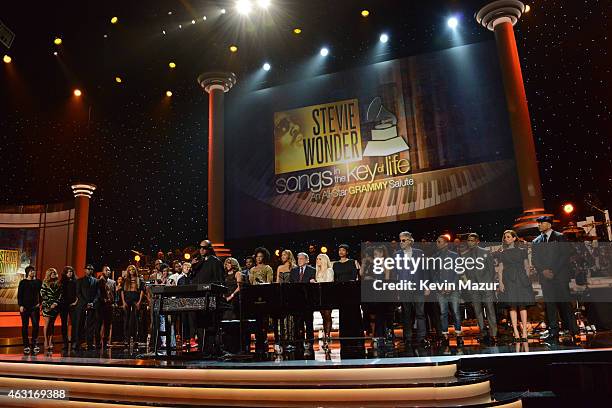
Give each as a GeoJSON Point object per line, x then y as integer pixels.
{"type": "Point", "coordinates": [413, 306]}
{"type": "Point", "coordinates": [486, 274]}
{"type": "Point", "coordinates": [550, 258]}
{"type": "Point", "coordinates": [206, 268]}
{"type": "Point", "coordinates": [304, 273]}
{"type": "Point", "coordinates": [88, 294]}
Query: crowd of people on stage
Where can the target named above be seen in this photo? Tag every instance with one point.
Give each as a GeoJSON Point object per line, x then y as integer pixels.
{"type": "Point", "coordinates": [98, 308]}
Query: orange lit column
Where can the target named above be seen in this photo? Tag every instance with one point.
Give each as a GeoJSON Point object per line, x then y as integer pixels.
{"type": "Point", "coordinates": [216, 84]}
{"type": "Point", "coordinates": [500, 17]}
{"type": "Point", "coordinates": [82, 195]}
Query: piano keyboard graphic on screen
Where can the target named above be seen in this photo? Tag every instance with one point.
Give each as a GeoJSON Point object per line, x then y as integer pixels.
{"type": "Point", "coordinates": [429, 189]}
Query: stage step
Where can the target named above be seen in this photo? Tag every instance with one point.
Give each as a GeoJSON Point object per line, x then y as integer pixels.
{"type": "Point", "coordinates": [426, 385]}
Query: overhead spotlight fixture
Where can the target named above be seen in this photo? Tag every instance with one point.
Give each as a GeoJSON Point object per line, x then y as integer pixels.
{"type": "Point", "coordinates": [204, 18]}
{"type": "Point", "coordinates": [264, 4]}
{"type": "Point", "coordinates": [365, 13]}
{"type": "Point", "coordinates": [164, 32]}
{"type": "Point", "coordinates": [7, 59]}
{"type": "Point", "coordinates": [118, 80]}
{"type": "Point", "coordinates": [266, 67]}
{"type": "Point", "coordinates": [192, 21]}
{"type": "Point", "coordinates": [452, 22]}
{"type": "Point", "coordinates": [168, 93]}
{"type": "Point", "coordinates": [233, 48]}
{"type": "Point", "coordinates": [297, 30]}
{"type": "Point", "coordinates": [169, 13]}
{"type": "Point", "coordinates": [57, 41]}
{"type": "Point", "coordinates": [77, 92]}
{"type": "Point", "coordinates": [324, 52]}
{"type": "Point", "coordinates": [527, 8]}
{"type": "Point", "coordinates": [180, 26]}
{"type": "Point", "coordinates": [172, 64]}
{"type": "Point", "coordinates": [244, 7]}
{"type": "Point", "coordinates": [384, 38]}
{"type": "Point", "coordinates": [222, 11]}
{"type": "Point", "coordinates": [55, 53]}
{"type": "Point", "coordinates": [568, 208]}
{"type": "Point", "coordinates": [105, 36]}
{"type": "Point", "coordinates": [114, 20]}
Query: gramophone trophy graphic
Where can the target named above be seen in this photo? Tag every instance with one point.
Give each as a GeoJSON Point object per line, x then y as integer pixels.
{"type": "Point", "coordinates": [385, 140]}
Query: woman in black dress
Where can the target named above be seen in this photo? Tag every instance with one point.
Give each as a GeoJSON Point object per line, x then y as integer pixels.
{"type": "Point", "coordinates": [514, 282]}
{"type": "Point", "coordinates": [345, 270]}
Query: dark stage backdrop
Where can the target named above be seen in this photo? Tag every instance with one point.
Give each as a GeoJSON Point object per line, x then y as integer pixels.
{"type": "Point", "coordinates": [424, 136]}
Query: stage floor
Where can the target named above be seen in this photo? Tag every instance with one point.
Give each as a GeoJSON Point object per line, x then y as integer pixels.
{"type": "Point", "coordinates": [365, 356]}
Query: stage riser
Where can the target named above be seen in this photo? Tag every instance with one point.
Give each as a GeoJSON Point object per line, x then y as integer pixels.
{"type": "Point", "coordinates": [248, 396]}
{"type": "Point", "coordinates": [244, 377]}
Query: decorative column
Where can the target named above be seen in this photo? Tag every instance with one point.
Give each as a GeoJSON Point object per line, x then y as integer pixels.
{"type": "Point", "coordinates": [500, 17]}
{"type": "Point", "coordinates": [216, 84]}
{"type": "Point", "coordinates": [82, 194]}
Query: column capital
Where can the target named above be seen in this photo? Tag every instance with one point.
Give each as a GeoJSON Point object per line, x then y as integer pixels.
{"type": "Point", "coordinates": [217, 80]}
{"type": "Point", "coordinates": [500, 11]}
{"type": "Point", "coordinates": [80, 189]}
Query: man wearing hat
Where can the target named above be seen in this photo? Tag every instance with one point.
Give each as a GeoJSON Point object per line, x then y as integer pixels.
{"type": "Point", "coordinates": [550, 259]}
{"type": "Point", "coordinates": [206, 268]}
{"type": "Point", "coordinates": [88, 295]}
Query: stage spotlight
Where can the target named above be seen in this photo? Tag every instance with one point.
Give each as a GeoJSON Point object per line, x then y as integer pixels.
{"type": "Point", "coordinates": [365, 13]}
{"type": "Point", "coordinates": [527, 8]}
{"type": "Point", "coordinates": [187, 256]}
{"type": "Point", "coordinates": [137, 258]}
{"type": "Point", "coordinates": [266, 67]}
{"type": "Point", "coordinates": [568, 208]}
{"type": "Point", "coordinates": [55, 53]}
{"type": "Point", "coordinates": [244, 7]}
{"type": "Point", "coordinates": [180, 26]}
{"type": "Point", "coordinates": [118, 80]}
{"type": "Point", "coordinates": [264, 4]}
{"type": "Point", "coordinates": [172, 65]}
{"type": "Point", "coordinates": [57, 41]}
{"type": "Point", "coordinates": [452, 22]}
{"type": "Point", "coordinates": [384, 38]}
{"type": "Point", "coordinates": [114, 20]}
{"type": "Point", "coordinates": [222, 11]}
{"type": "Point", "coordinates": [192, 21]}
{"type": "Point", "coordinates": [164, 32]}
{"type": "Point", "coordinates": [324, 52]}
{"type": "Point", "coordinates": [233, 48]}
{"type": "Point", "coordinates": [168, 93]}
{"type": "Point", "coordinates": [77, 92]}
{"type": "Point", "coordinates": [297, 31]}
{"type": "Point", "coordinates": [277, 252]}
{"type": "Point", "coordinates": [7, 59]}
{"type": "Point", "coordinates": [323, 249]}
{"type": "Point", "coordinates": [204, 18]}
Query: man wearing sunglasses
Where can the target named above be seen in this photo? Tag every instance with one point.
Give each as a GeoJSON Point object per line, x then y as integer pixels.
{"type": "Point", "coordinates": [206, 268]}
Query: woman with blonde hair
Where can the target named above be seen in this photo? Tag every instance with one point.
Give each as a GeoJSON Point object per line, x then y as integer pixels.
{"type": "Point", "coordinates": [131, 297]}
{"type": "Point", "coordinates": [325, 273]}
{"type": "Point", "coordinates": [283, 328]}
{"type": "Point", "coordinates": [51, 294]}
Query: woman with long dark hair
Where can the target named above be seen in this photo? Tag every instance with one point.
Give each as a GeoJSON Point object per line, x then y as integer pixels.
{"type": "Point", "coordinates": [67, 305]}
{"type": "Point", "coordinates": [514, 283]}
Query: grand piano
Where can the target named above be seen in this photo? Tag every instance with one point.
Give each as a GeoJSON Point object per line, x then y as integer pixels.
{"type": "Point", "coordinates": [281, 299]}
